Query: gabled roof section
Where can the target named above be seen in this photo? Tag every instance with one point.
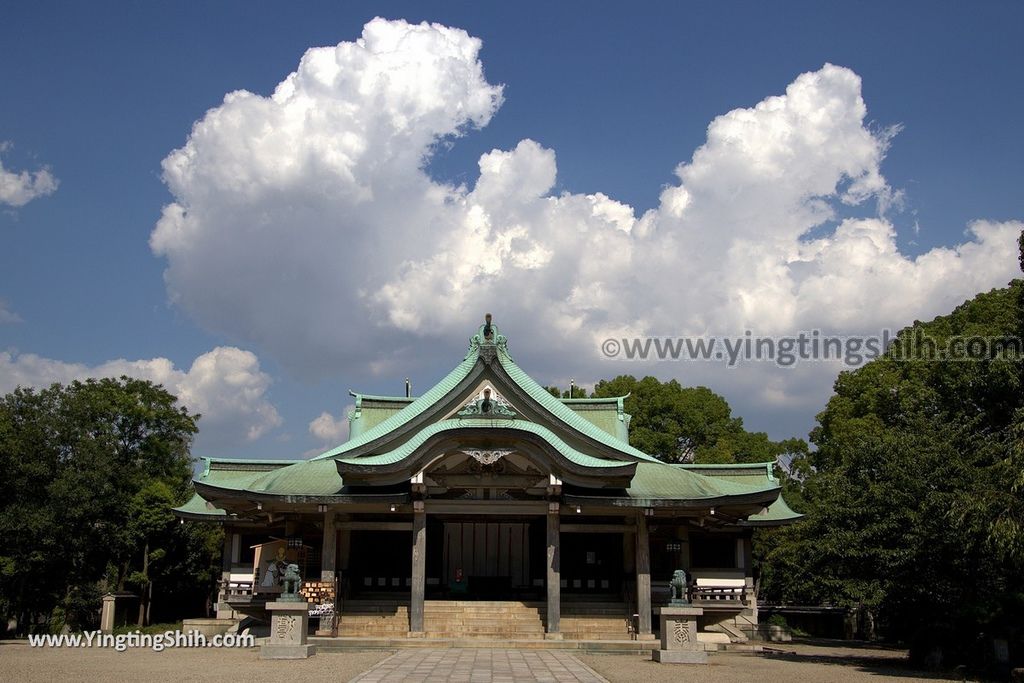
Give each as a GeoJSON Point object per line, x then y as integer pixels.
{"type": "Point", "coordinates": [751, 474]}
{"type": "Point", "coordinates": [228, 473]}
{"type": "Point", "coordinates": [559, 410]}
{"type": "Point", "coordinates": [412, 410]}
{"type": "Point", "coordinates": [370, 411]}
{"type": "Point", "coordinates": [225, 473]}
{"type": "Point", "coordinates": [490, 351]}
{"type": "Point", "coordinates": [607, 414]}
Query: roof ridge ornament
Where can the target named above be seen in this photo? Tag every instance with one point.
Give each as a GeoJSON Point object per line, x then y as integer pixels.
{"type": "Point", "coordinates": [488, 341]}
{"type": "Point", "coordinates": [487, 456]}
{"type": "Point", "coordinates": [496, 407]}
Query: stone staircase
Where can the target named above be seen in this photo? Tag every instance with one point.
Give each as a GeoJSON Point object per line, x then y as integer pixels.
{"type": "Point", "coordinates": [482, 619]}
{"type": "Point", "coordinates": [460, 619]}
{"type": "Point", "coordinates": [595, 621]}
{"type": "Point", "coordinates": [374, 618]}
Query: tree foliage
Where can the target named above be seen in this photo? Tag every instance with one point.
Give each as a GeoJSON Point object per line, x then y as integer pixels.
{"type": "Point", "coordinates": [686, 424]}
{"type": "Point", "coordinates": [914, 494]}
{"type": "Point", "coordinates": [92, 469]}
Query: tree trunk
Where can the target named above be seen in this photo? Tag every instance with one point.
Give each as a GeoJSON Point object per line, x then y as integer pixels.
{"type": "Point", "coordinates": [143, 602]}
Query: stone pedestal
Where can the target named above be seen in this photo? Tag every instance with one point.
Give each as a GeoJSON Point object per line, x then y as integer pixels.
{"type": "Point", "coordinates": [679, 644]}
{"type": "Point", "coordinates": [116, 610]}
{"type": "Point", "coordinates": [289, 621]}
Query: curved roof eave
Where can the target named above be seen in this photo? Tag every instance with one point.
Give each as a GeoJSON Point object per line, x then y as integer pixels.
{"type": "Point", "coordinates": [219, 492]}
{"type": "Point", "coordinates": [751, 498]}
{"type": "Point", "coordinates": [399, 454]}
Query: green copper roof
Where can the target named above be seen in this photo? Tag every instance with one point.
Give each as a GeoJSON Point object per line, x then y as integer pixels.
{"type": "Point", "coordinates": [573, 428]}
{"type": "Point", "coordinates": [747, 472]}
{"type": "Point", "coordinates": [777, 513]}
{"type": "Point", "coordinates": [552, 405]}
{"type": "Point", "coordinates": [407, 448]}
{"type": "Point", "coordinates": [666, 481]}
{"type": "Point", "coordinates": [607, 414]}
{"type": "Point", "coordinates": [238, 474]}
{"type": "Point", "coordinates": [559, 410]}
{"type": "Point", "coordinates": [309, 477]}
{"type": "Point", "coordinates": [755, 473]}
{"type": "Point", "coordinates": [197, 507]}
{"type": "Point", "coordinates": [403, 416]}
{"type": "Point", "coordinates": [370, 411]}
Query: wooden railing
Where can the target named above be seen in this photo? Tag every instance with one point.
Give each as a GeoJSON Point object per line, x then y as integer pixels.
{"type": "Point", "coordinates": [722, 591]}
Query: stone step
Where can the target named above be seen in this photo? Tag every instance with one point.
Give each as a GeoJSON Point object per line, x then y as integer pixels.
{"type": "Point", "coordinates": [445, 625]}
{"type": "Point", "coordinates": [482, 615]}
{"type": "Point", "coordinates": [485, 635]}
{"type": "Point", "coordinates": [341, 644]}
{"type": "Point", "coordinates": [483, 628]}
{"type": "Point", "coordinates": [438, 604]}
{"type": "Point", "coordinates": [481, 619]}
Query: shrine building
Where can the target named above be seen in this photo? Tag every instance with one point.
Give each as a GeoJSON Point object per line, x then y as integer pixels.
{"type": "Point", "coordinates": [486, 507]}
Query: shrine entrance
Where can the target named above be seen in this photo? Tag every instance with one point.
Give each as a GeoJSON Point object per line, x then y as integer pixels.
{"type": "Point", "coordinates": [490, 560]}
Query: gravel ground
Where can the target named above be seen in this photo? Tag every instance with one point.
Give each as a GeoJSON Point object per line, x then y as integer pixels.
{"type": "Point", "coordinates": [796, 664]}
{"type": "Point", "coordinates": [800, 662]}
{"type": "Point", "coordinates": [19, 662]}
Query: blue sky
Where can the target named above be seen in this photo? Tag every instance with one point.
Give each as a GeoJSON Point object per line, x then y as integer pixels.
{"type": "Point", "coordinates": [99, 94]}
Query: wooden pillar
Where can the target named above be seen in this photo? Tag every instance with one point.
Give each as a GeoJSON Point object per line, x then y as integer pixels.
{"type": "Point", "coordinates": [226, 555]}
{"type": "Point", "coordinates": [419, 567]}
{"type": "Point", "coordinates": [329, 549]}
{"type": "Point", "coordinates": [229, 556]}
{"type": "Point", "coordinates": [554, 573]}
{"type": "Point", "coordinates": [643, 575]}
{"type": "Point", "coordinates": [628, 562]}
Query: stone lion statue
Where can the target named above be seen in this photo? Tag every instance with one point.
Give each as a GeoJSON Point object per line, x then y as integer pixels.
{"type": "Point", "coordinates": [291, 580]}
{"type": "Point", "coordinates": [677, 586]}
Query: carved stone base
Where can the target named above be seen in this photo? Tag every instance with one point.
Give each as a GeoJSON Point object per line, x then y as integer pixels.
{"type": "Point", "coordinates": [679, 644]}
{"type": "Point", "coordinates": [289, 622]}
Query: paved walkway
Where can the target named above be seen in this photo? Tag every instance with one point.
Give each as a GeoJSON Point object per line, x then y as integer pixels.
{"type": "Point", "coordinates": [480, 666]}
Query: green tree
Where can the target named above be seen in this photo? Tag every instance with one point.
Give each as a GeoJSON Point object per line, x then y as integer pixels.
{"type": "Point", "coordinates": [575, 391]}
{"type": "Point", "coordinates": [92, 468]}
{"type": "Point", "coordinates": [913, 495]}
{"type": "Point", "coordinates": [689, 424]}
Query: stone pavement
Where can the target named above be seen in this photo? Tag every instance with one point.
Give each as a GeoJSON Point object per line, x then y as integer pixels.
{"type": "Point", "coordinates": [480, 666]}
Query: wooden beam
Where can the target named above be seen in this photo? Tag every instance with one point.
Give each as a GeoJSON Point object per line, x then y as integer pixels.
{"type": "Point", "coordinates": [596, 529]}
{"type": "Point", "coordinates": [487, 507]}
{"type": "Point", "coordinates": [375, 526]}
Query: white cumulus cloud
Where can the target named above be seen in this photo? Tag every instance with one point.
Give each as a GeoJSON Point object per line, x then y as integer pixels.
{"type": "Point", "coordinates": [18, 188]}
{"type": "Point", "coordinates": [330, 429]}
{"type": "Point", "coordinates": [225, 385]}
{"type": "Point", "coordinates": [304, 223]}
